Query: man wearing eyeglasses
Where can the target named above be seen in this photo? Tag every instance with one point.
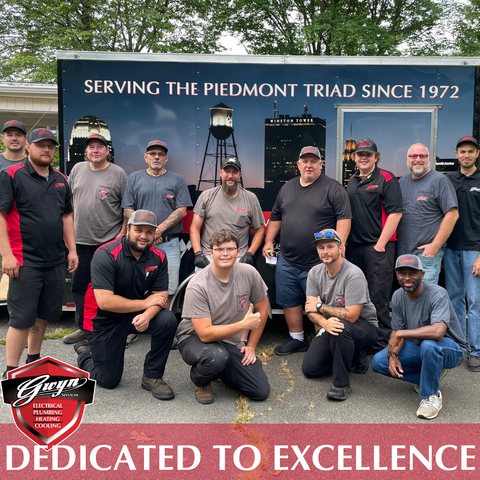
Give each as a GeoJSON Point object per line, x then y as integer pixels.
{"type": "Point", "coordinates": [429, 205]}
{"type": "Point", "coordinates": [339, 305]}
{"type": "Point", "coordinates": [462, 256]}
{"type": "Point", "coordinates": [166, 194]}
{"type": "Point", "coordinates": [97, 189]}
{"type": "Point", "coordinates": [218, 308]}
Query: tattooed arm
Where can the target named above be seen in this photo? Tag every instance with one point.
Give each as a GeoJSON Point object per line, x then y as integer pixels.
{"type": "Point", "coordinates": [350, 313]}
{"type": "Point", "coordinates": [175, 217]}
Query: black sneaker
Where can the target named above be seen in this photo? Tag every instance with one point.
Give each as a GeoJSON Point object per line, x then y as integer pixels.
{"type": "Point", "coordinates": [81, 346]}
{"type": "Point", "coordinates": [362, 363]}
{"type": "Point", "coordinates": [291, 346]}
{"type": "Point", "coordinates": [339, 393]}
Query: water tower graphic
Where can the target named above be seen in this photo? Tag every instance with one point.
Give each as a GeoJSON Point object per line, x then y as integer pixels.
{"type": "Point", "coordinates": [220, 146]}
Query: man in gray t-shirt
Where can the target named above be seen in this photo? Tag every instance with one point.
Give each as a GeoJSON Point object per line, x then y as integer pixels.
{"type": "Point", "coordinates": [339, 305]}
{"type": "Point", "coordinates": [97, 189]}
{"type": "Point", "coordinates": [218, 308]}
{"type": "Point", "coordinates": [426, 335]}
{"type": "Point", "coordinates": [429, 205]}
{"type": "Point", "coordinates": [166, 194]}
{"type": "Point", "coordinates": [228, 206]}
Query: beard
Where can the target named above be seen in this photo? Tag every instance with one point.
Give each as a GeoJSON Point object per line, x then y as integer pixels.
{"type": "Point", "coordinates": [419, 173]}
{"type": "Point", "coordinates": [136, 248]}
{"type": "Point", "coordinates": [41, 161]}
{"type": "Point", "coordinates": [415, 285]}
{"type": "Point", "coordinates": [230, 189]}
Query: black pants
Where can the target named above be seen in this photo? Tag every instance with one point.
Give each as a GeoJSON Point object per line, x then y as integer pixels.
{"type": "Point", "coordinates": [81, 279]}
{"type": "Point", "coordinates": [378, 270]}
{"type": "Point", "coordinates": [334, 353]}
{"type": "Point", "coordinates": [224, 360]}
{"type": "Point", "coordinates": [105, 362]}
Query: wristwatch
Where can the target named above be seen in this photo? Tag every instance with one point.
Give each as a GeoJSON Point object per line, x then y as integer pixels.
{"type": "Point", "coordinates": [318, 306]}
{"type": "Point", "coordinates": [390, 354]}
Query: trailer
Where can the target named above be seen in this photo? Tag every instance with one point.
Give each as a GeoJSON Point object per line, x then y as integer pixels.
{"type": "Point", "coordinates": [263, 109]}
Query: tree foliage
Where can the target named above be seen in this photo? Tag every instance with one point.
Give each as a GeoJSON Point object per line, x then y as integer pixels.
{"type": "Point", "coordinates": [32, 30]}
{"type": "Point", "coordinates": [333, 27]}
{"type": "Point", "coordinates": [468, 26]}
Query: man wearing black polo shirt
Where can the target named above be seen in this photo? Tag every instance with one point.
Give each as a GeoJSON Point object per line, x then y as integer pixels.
{"type": "Point", "coordinates": [462, 255]}
{"type": "Point", "coordinates": [128, 294]}
{"type": "Point", "coordinates": [35, 207]}
{"type": "Point", "coordinates": [306, 204]}
{"type": "Point", "coordinates": [376, 202]}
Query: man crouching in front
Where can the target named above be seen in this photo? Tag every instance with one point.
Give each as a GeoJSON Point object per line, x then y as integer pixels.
{"type": "Point", "coordinates": [218, 307]}
{"type": "Point", "coordinates": [128, 294]}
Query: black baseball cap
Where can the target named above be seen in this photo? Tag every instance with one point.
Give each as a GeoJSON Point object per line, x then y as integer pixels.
{"type": "Point", "coordinates": [234, 162]}
{"type": "Point", "coordinates": [96, 136]}
{"type": "Point", "coordinates": [157, 143]}
{"type": "Point", "coordinates": [14, 124]}
{"type": "Point", "coordinates": [366, 145]}
{"type": "Point", "coordinates": [467, 140]}
{"type": "Point", "coordinates": [409, 261]}
{"type": "Point", "coordinates": [143, 217]}
{"type": "Point", "coordinates": [310, 150]}
{"type": "Point", "coordinates": [40, 134]}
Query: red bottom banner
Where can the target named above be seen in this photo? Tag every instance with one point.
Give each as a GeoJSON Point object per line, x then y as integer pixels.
{"type": "Point", "coordinates": [248, 452]}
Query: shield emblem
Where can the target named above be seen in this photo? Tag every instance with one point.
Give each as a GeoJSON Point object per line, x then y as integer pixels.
{"type": "Point", "coordinates": [48, 399]}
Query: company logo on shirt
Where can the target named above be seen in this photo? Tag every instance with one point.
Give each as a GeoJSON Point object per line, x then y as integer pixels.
{"type": "Point", "coordinates": [104, 193]}
{"type": "Point", "coordinates": [169, 195]}
{"type": "Point", "coordinates": [151, 269]}
{"type": "Point", "coordinates": [240, 209]}
{"type": "Point", "coordinates": [422, 198]}
{"type": "Point", "coordinates": [340, 300]}
{"type": "Point", "coordinates": [372, 186]}
{"type": "Point", "coordinates": [242, 302]}
{"type": "Point", "coordinates": [58, 185]}
{"type": "Point", "coordinates": [475, 189]}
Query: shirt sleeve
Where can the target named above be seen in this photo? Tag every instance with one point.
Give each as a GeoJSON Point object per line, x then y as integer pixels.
{"type": "Point", "coordinates": [440, 309]}
{"type": "Point", "coordinates": [398, 312]}
{"type": "Point", "coordinates": [123, 182]}
{"type": "Point", "coordinates": [259, 288]}
{"type": "Point", "coordinates": [392, 197]}
{"type": "Point", "coordinates": [128, 199]}
{"type": "Point", "coordinates": [257, 215]}
{"type": "Point", "coordinates": [356, 291]}
{"type": "Point", "coordinates": [446, 196]}
{"type": "Point", "coordinates": [103, 271]}
{"type": "Point", "coordinates": [183, 195]}
{"type": "Point", "coordinates": [196, 303]}
{"type": "Point", "coordinates": [340, 202]}
{"type": "Point", "coordinates": [7, 196]}
{"type": "Point", "coordinates": [276, 214]}
{"type": "Point", "coordinates": [68, 200]}
{"type": "Point", "coordinates": [312, 289]}
{"type": "Point", "coordinates": [200, 206]}
{"type": "Point", "coordinates": [161, 278]}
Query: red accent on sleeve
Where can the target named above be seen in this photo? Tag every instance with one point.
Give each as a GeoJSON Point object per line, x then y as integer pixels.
{"type": "Point", "coordinates": [90, 309]}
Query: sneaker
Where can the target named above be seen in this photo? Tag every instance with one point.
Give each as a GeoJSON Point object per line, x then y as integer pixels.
{"type": "Point", "coordinates": [74, 337]}
{"type": "Point", "coordinates": [158, 387]}
{"type": "Point", "coordinates": [132, 338]}
{"type": "Point", "coordinates": [474, 364]}
{"type": "Point", "coordinates": [291, 346]}
{"type": "Point", "coordinates": [442, 376]}
{"type": "Point", "coordinates": [82, 346]}
{"type": "Point", "coordinates": [362, 365]}
{"type": "Point", "coordinates": [429, 407]}
{"type": "Point", "coordinates": [204, 395]}
{"type": "Point", "coordinates": [174, 344]}
{"type": "Point", "coordinates": [339, 393]}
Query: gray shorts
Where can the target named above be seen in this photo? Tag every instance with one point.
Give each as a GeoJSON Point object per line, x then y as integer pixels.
{"type": "Point", "coordinates": [35, 293]}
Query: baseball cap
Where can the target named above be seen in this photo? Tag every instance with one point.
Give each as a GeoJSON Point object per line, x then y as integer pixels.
{"type": "Point", "coordinates": [310, 150]}
{"type": "Point", "coordinates": [143, 217]}
{"type": "Point", "coordinates": [157, 143]}
{"type": "Point", "coordinates": [469, 140]}
{"type": "Point", "coordinates": [366, 145]}
{"type": "Point", "coordinates": [232, 161]}
{"type": "Point", "coordinates": [40, 134]}
{"type": "Point", "coordinates": [14, 124]}
{"type": "Point", "coordinates": [410, 261]}
{"type": "Point", "coordinates": [327, 234]}
{"type": "Point", "coordinates": [96, 136]}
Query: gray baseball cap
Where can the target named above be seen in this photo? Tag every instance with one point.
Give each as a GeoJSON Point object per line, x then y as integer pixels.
{"type": "Point", "coordinates": [409, 261]}
{"type": "Point", "coordinates": [310, 150]}
{"type": "Point", "coordinates": [143, 217]}
{"type": "Point", "coordinates": [327, 234]}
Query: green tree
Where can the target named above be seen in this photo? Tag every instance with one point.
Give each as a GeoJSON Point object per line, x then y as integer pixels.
{"type": "Point", "coordinates": [32, 30]}
{"type": "Point", "coordinates": [335, 27]}
{"type": "Point", "coordinates": [468, 27]}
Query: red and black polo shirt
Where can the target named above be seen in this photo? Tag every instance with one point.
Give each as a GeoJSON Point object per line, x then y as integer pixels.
{"type": "Point", "coordinates": [34, 206]}
{"type": "Point", "coordinates": [114, 268]}
{"type": "Point", "coordinates": [372, 201]}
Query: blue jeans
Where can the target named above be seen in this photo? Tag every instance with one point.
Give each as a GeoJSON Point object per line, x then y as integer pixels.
{"type": "Point", "coordinates": [460, 282]}
{"type": "Point", "coordinates": [432, 266]}
{"type": "Point", "coordinates": [172, 251]}
{"type": "Point", "coordinates": [422, 364]}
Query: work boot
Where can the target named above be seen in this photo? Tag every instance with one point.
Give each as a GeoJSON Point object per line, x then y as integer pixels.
{"type": "Point", "coordinates": [74, 337]}
{"type": "Point", "coordinates": [204, 395]}
{"type": "Point", "coordinates": [158, 387]}
{"type": "Point", "coordinates": [82, 346]}
{"type": "Point", "coordinates": [429, 407]}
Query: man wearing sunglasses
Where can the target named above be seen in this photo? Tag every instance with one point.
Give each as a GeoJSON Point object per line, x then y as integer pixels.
{"type": "Point", "coordinates": [166, 194]}
{"type": "Point", "coordinates": [339, 305]}
{"type": "Point", "coordinates": [462, 256]}
{"type": "Point", "coordinates": [429, 205]}
{"type": "Point", "coordinates": [218, 308]}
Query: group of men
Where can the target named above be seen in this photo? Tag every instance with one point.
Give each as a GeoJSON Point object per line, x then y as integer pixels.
{"type": "Point", "coordinates": [124, 238]}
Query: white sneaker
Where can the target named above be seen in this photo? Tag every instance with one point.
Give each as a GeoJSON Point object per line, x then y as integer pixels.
{"type": "Point", "coordinates": [429, 407]}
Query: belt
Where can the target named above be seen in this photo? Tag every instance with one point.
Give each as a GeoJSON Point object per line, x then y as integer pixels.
{"type": "Point", "coordinates": [168, 238]}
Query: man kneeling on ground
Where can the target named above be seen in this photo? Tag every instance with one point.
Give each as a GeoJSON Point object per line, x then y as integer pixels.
{"type": "Point", "coordinates": [218, 307]}
{"type": "Point", "coordinates": [426, 336]}
{"type": "Point", "coordinates": [128, 294]}
{"type": "Point", "coordinates": [339, 305]}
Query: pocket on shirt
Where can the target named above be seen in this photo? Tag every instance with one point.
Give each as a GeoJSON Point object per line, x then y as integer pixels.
{"type": "Point", "coordinates": [242, 302]}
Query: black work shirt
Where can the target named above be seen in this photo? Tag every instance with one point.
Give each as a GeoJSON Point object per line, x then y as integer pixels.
{"type": "Point", "coordinates": [466, 233]}
{"type": "Point", "coordinates": [34, 208]}
{"type": "Point", "coordinates": [372, 201]}
{"type": "Point", "coordinates": [304, 211]}
{"type": "Point", "coordinates": [114, 268]}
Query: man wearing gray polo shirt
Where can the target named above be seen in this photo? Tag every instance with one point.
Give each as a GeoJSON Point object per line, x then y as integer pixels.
{"type": "Point", "coordinates": [166, 194]}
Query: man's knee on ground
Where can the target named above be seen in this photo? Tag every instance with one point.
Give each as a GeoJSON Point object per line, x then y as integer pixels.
{"type": "Point", "coordinates": [213, 360]}
{"type": "Point", "coordinates": [109, 382]}
{"type": "Point", "coordinates": [261, 394]}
